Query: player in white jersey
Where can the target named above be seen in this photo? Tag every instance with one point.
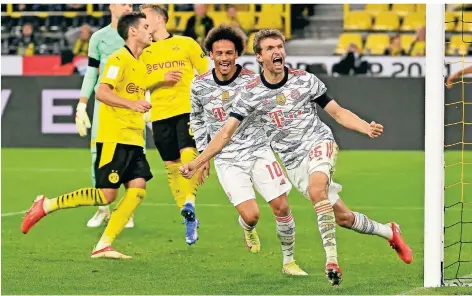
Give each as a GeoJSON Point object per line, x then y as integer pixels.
{"type": "Point", "coordinates": [246, 161]}
{"type": "Point", "coordinates": [285, 100]}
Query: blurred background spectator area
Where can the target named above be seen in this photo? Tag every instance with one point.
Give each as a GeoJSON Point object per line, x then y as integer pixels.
{"type": "Point", "coordinates": [311, 29]}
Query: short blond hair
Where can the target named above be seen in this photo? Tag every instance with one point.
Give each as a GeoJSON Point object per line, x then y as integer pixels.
{"type": "Point", "coordinates": [159, 9]}
{"type": "Point", "coordinates": [264, 34]}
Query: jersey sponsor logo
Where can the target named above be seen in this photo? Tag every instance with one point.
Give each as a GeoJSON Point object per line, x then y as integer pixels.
{"type": "Point", "coordinates": [132, 88]}
{"type": "Point", "coordinates": [219, 113]}
{"type": "Point", "coordinates": [165, 65]}
{"type": "Point", "coordinates": [225, 96]}
{"type": "Point", "coordinates": [112, 72]}
{"type": "Point", "coordinates": [280, 99]}
{"type": "Point", "coordinates": [277, 117]}
{"type": "Point", "coordinates": [113, 177]}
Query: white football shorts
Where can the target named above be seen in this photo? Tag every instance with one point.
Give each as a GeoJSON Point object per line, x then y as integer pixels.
{"type": "Point", "coordinates": [264, 174]}
{"type": "Point", "coordinates": [321, 158]}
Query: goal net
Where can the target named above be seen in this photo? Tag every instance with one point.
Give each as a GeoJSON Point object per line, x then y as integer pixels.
{"type": "Point", "coordinates": [448, 150]}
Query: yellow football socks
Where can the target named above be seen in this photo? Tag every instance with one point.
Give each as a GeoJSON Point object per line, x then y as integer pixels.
{"type": "Point", "coordinates": [189, 186]}
{"type": "Point", "coordinates": [81, 197]}
{"type": "Point", "coordinates": [174, 177]}
{"type": "Point", "coordinates": [121, 214]}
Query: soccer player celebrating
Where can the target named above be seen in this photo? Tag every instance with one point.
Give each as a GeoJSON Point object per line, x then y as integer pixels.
{"type": "Point", "coordinates": [171, 62]}
{"type": "Point", "coordinates": [120, 140]}
{"type": "Point", "coordinates": [284, 100]}
{"type": "Point", "coordinates": [247, 160]}
{"type": "Point", "coordinates": [102, 44]}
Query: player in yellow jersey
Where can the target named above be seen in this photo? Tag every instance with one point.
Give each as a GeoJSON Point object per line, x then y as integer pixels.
{"type": "Point", "coordinates": [120, 140]}
{"type": "Point", "coordinates": [171, 62]}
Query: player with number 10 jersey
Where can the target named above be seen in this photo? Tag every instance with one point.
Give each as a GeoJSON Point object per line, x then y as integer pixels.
{"type": "Point", "coordinates": [247, 160]}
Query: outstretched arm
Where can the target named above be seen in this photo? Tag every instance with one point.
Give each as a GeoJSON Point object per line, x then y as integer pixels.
{"type": "Point", "coordinates": [351, 121]}
{"type": "Point", "coordinates": [219, 141]}
{"type": "Point", "coordinates": [214, 147]}
{"type": "Point", "coordinates": [450, 79]}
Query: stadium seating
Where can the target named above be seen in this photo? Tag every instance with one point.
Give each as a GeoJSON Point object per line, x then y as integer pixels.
{"type": "Point", "coordinates": [450, 20]}
{"type": "Point", "coordinates": [387, 21]}
{"type": "Point", "coordinates": [413, 21]}
{"type": "Point", "coordinates": [347, 38]}
{"type": "Point", "coordinates": [358, 20]}
{"type": "Point", "coordinates": [249, 47]}
{"type": "Point", "coordinates": [459, 45]}
{"type": "Point", "coordinates": [376, 43]}
{"type": "Point", "coordinates": [376, 9]}
{"type": "Point", "coordinates": [406, 40]}
{"type": "Point", "coordinates": [403, 9]}
{"type": "Point", "coordinates": [55, 19]}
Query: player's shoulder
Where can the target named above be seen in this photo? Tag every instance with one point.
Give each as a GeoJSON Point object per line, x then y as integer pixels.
{"type": "Point", "coordinates": [205, 76]}
{"type": "Point", "coordinates": [247, 72]}
{"type": "Point", "coordinates": [298, 72]}
{"type": "Point", "coordinates": [181, 38]}
{"type": "Point", "coordinates": [119, 56]}
{"type": "Point", "coordinates": [253, 83]}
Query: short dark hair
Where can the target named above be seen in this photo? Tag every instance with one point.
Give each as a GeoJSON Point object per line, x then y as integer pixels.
{"type": "Point", "coordinates": [224, 32]}
{"type": "Point", "coordinates": [128, 20]}
{"type": "Point", "coordinates": [264, 34]}
{"type": "Point", "coordinates": [159, 9]}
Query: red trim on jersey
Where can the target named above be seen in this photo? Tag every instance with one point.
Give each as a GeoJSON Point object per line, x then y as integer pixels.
{"type": "Point", "coordinates": [254, 83]}
{"type": "Point", "coordinates": [204, 75]}
{"type": "Point", "coordinates": [296, 72]}
{"type": "Point", "coordinates": [245, 71]}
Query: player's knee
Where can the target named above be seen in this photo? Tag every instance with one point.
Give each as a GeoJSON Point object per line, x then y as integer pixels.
{"type": "Point", "coordinates": [251, 217]}
{"type": "Point", "coordinates": [317, 188]}
{"type": "Point", "coordinates": [110, 194]}
{"type": "Point", "coordinates": [344, 219]}
{"type": "Point", "coordinates": [280, 206]}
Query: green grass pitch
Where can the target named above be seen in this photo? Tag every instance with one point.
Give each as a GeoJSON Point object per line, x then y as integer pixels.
{"type": "Point", "coordinates": [54, 257]}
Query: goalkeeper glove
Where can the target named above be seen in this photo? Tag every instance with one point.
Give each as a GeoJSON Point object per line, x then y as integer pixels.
{"type": "Point", "coordinates": [82, 121]}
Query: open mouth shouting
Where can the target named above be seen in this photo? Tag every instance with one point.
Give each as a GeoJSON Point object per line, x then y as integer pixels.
{"type": "Point", "coordinates": [278, 62]}
{"type": "Point", "coordinates": [225, 66]}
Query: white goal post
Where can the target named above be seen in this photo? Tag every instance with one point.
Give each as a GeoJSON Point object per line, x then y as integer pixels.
{"type": "Point", "coordinates": [434, 147]}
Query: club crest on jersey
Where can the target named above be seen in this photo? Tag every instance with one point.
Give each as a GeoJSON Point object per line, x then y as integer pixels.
{"type": "Point", "coordinates": [175, 47]}
{"type": "Point", "coordinates": [280, 99]}
{"type": "Point", "coordinates": [113, 177]}
{"type": "Point", "coordinates": [225, 96]}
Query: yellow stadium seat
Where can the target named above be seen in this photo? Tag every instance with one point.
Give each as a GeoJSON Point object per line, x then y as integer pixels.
{"type": "Point", "coordinates": [183, 18]}
{"type": "Point", "coordinates": [375, 9]}
{"type": "Point", "coordinates": [376, 44]}
{"type": "Point", "coordinates": [272, 8]}
{"type": "Point", "coordinates": [450, 21]}
{"type": "Point", "coordinates": [418, 49]}
{"type": "Point", "coordinates": [457, 46]}
{"type": "Point", "coordinates": [420, 7]}
{"type": "Point", "coordinates": [358, 20]}
{"type": "Point", "coordinates": [218, 17]}
{"type": "Point", "coordinates": [403, 9]}
{"type": "Point", "coordinates": [464, 23]}
{"type": "Point", "coordinates": [406, 40]}
{"type": "Point", "coordinates": [413, 21]}
{"type": "Point", "coordinates": [171, 25]}
{"type": "Point", "coordinates": [269, 21]}
{"type": "Point", "coordinates": [347, 38]}
{"type": "Point", "coordinates": [247, 20]}
{"type": "Point", "coordinates": [387, 21]}
{"type": "Point", "coordinates": [250, 43]}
